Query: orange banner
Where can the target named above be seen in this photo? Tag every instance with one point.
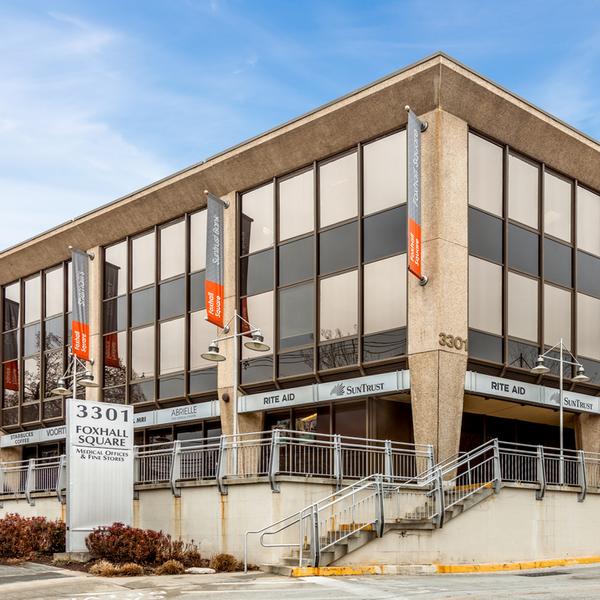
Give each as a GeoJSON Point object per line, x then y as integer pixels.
{"type": "Point", "coordinates": [214, 302]}
{"type": "Point", "coordinates": [414, 248]}
{"type": "Point", "coordinates": [11, 375]}
{"type": "Point", "coordinates": [81, 340]}
{"type": "Point", "coordinates": [111, 350]}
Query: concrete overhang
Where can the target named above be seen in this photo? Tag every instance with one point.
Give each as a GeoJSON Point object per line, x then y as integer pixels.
{"type": "Point", "coordinates": [435, 82]}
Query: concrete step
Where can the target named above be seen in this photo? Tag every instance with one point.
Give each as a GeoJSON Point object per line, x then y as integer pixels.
{"type": "Point", "coordinates": [276, 569]}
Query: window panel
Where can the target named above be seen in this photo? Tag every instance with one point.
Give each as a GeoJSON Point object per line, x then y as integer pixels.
{"type": "Point", "coordinates": [557, 263]}
{"type": "Point", "coordinates": [52, 409]}
{"type": "Point", "coordinates": [256, 369]}
{"type": "Point", "coordinates": [172, 298]}
{"type": "Point", "coordinates": [557, 316]}
{"type": "Point", "coordinates": [197, 292]}
{"type": "Point", "coordinates": [10, 346]}
{"type": "Point", "coordinates": [30, 413]}
{"type": "Point", "coordinates": [257, 219]}
{"type": "Point", "coordinates": [523, 183]}
{"type": "Point", "coordinates": [54, 333]}
{"type": "Point", "coordinates": [557, 206]}
{"type": "Point", "coordinates": [258, 310]}
{"type": "Point", "coordinates": [141, 392]}
{"type": "Point", "coordinates": [54, 292]}
{"type": "Point", "coordinates": [485, 295]}
{"type": "Point", "coordinates": [115, 395]}
{"type": "Point", "coordinates": [588, 221]}
{"type": "Point", "coordinates": [385, 344]}
{"type": "Point", "coordinates": [521, 355]}
{"type": "Point", "coordinates": [31, 339]}
{"type": "Point", "coordinates": [384, 234]}
{"type": "Point", "coordinates": [198, 241]}
{"type": "Point", "coordinates": [115, 270]}
{"type": "Point", "coordinates": [172, 250]}
{"type": "Point", "coordinates": [338, 194]}
{"type": "Point", "coordinates": [202, 333]}
{"type": "Point", "coordinates": [338, 354]}
{"type": "Point", "coordinates": [485, 175]}
{"type": "Point", "coordinates": [297, 362]}
{"type": "Point", "coordinates": [142, 353]}
{"type": "Point", "coordinates": [33, 299]}
{"type": "Point", "coordinates": [338, 248]}
{"type": "Point", "coordinates": [485, 235]}
{"type": "Point", "coordinates": [485, 346]}
{"type": "Point", "coordinates": [296, 261]}
{"type": "Point", "coordinates": [338, 306]}
{"type": "Point", "coordinates": [171, 387]}
{"type": "Point", "coordinates": [142, 307]}
{"type": "Point", "coordinates": [588, 326]}
{"type": "Point", "coordinates": [588, 274]}
{"type": "Point", "coordinates": [115, 359]}
{"type": "Point", "coordinates": [144, 260]}
{"type": "Point", "coordinates": [203, 381]}
{"type": "Point", "coordinates": [31, 379]}
{"type": "Point", "coordinates": [385, 294]}
{"type": "Point", "coordinates": [523, 250]}
{"type": "Point", "coordinates": [296, 205]}
{"type": "Point", "coordinates": [384, 172]}
{"type": "Point", "coordinates": [10, 416]}
{"type": "Point", "coordinates": [592, 369]}
{"type": "Point", "coordinates": [256, 273]}
{"type": "Point", "coordinates": [296, 316]}
{"type": "Point", "coordinates": [12, 304]}
{"type": "Point", "coordinates": [115, 314]}
{"type": "Point", "coordinates": [172, 339]}
{"type": "Point", "coordinates": [54, 370]}
{"type": "Point", "coordinates": [10, 395]}
{"type": "Point", "coordinates": [522, 307]}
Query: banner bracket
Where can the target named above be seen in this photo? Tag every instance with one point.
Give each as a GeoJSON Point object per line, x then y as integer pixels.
{"type": "Point", "coordinates": [225, 203]}
{"type": "Point", "coordinates": [423, 281]}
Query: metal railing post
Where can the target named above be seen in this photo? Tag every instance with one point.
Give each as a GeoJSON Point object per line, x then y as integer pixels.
{"type": "Point", "coordinates": [222, 466]}
{"type": "Point", "coordinates": [541, 473]}
{"type": "Point", "coordinates": [430, 458]}
{"type": "Point", "coordinates": [175, 474]}
{"type": "Point", "coordinates": [497, 467]}
{"type": "Point", "coordinates": [2, 483]}
{"type": "Point", "coordinates": [136, 464]}
{"type": "Point", "coordinates": [380, 507]}
{"type": "Point", "coordinates": [61, 479]}
{"type": "Point", "coordinates": [315, 545]}
{"type": "Point", "coordinates": [581, 476]}
{"type": "Point", "coordinates": [439, 498]}
{"type": "Point", "coordinates": [337, 460]}
{"type": "Point", "coordinates": [274, 459]}
{"type": "Point", "coordinates": [388, 467]}
{"type": "Point", "coordinates": [29, 481]}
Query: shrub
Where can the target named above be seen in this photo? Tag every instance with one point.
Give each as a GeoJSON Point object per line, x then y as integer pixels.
{"type": "Point", "coordinates": [103, 568]}
{"type": "Point", "coordinates": [225, 563]}
{"type": "Point", "coordinates": [130, 570]}
{"type": "Point", "coordinates": [171, 567]}
{"type": "Point", "coordinates": [23, 536]}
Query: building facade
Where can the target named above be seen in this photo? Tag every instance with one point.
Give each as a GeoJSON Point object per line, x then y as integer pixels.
{"type": "Point", "coordinates": [315, 256]}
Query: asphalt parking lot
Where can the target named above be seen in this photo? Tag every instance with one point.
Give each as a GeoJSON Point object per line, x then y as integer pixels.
{"type": "Point", "coordinates": [36, 582]}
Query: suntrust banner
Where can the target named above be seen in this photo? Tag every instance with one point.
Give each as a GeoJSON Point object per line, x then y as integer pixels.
{"type": "Point", "coordinates": [213, 285]}
{"type": "Point", "coordinates": [80, 293]}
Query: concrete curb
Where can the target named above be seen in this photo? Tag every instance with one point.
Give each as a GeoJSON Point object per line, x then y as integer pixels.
{"type": "Point", "coordinates": [362, 570]}
{"type": "Point", "coordinates": [517, 566]}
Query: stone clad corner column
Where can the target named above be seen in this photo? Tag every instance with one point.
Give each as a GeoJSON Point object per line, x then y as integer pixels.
{"type": "Point", "coordinates": [587, 432]}
{"type": "Point", "coordinates": [95, 303]}
{"type": "Point", "coordinates": [437, 312]}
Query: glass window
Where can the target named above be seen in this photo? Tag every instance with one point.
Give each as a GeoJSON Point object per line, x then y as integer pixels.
{"type": "Point", "coordinates": [384, 172]}
{"type": "Point", "coordinates": [588, 326]}
{"type": "Point", "coordinates": [172, 250]}
{"type": "Point", "coordinates": [198, 241]}
{"type": "Point", "coordinates": [171, 387]}
{"type": "Point", "coordinates": [385, 344]}
{"type": "Point", "coordinates": [588, 221]}
{"type": "Point", "coordinates": [142, 307]}
{"type": "Point", "coordinates": [485, 235]}
{"type": "Point", "coordinates": [297, 362]}
{"type": "Point", "coordinates": [385, 294]}
{"type": "Point", "coordinates": [144, 260]}
{"type": "Point", "coordinates": [142, 353]}
{"type": "Point", "coordinates": [53, 370]}
{"type": "Point", "coordinates": [203, 381]}
{"type": "Point", "coordinates": [588, 274]}
{"type": "Point", "coordinates": [384, 234]}
{"type": "Point", "coordinates": [31, 339]}
{"type": "Point", "coordinates": [485, 175]}
{"type": "Point", "coordinates": [31, 382]}
{"type": "Point", "coordinates": [172, 298]}
{"type": "Point", "coordinates": [256, 369]}
{"type": "Point", "coordinates": [592, 369]}
{"type": "Point", "coordinates": [115, 314]}
{"type": "Point", "coordinates": [557, 206]}
{"type": "Point", "coordinates": [197, 295]}
{"type": "Point", "coordinates": [202, 333]}
{"type": "Point", "coordinates": [485, 346]}
{"type": "Point", "coordinates": [141, 392]}
{"type": "Point", "coordinates": [338, 248]}
{"type": "Point", "coordinates": [296, 260]}
{"type": "Point", "coordinates": [523, 183]}
{"type": "Point", "coordinates": [338, 190]}
{"type": "Point", "coordinates": [485, 295]}
{"type": "Point", "coordinates": [521, 355]}
{"type": "Point", "coordinates": [11, 383]}
{"type": "Point", "coordinates": [115, 358]}
{"type": "Point", "coordinates": [296, 316]}
{"type": "Point", "coordinates": [54, 292]}
{"type": "Point", "coordinates": [172, 339]}
{"type": "Point", "coordinates": [338, 306]}
{"type": "Point", "coordinates": [523, 250]}
{"type": "Point", "coordinates": [557, 263]}
{"type": "Point", "coordinates": [522, 307]}
{"type": "Point", "coordinates": [338, 354]}
{"type": "Point", "coordinates": [33, 299]}
{"type": "Point", "coordinates": [257, 219]}
{"type": "Point", "coordinates": [256, 273]}
{"type": "Point", "coordinates": [296, 205]}
{"type": "Point", "coordinates": [557, 316]}
{"type": "Point", "coordinates": [115, 270]}
{"type": "Point", "coordinates": [12, 303]}
{"type": "Point", "coordinates": [258, 310]}
{"type": "Point", "coordinates": [54, 333]}
{"type": "Point", "coordinates": [116, 395]}
{"type": "Point", "coordinates": [10, 345]}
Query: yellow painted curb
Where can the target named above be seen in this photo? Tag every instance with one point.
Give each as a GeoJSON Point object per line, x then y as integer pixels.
{"type": "Point", "coordinates": [336, 571]}
{"type": "Point", "coordinates": [517, 566]}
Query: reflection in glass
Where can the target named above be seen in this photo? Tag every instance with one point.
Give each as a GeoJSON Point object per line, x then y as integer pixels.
{"type": "Point", "coordinates": [203, 381]}
{"type": "Point", "coordinates": [197, 293]}
{"type": "Point", "coordinates": [54, 333]}
{"type": "Point", "coordinates": [172, 346]}
{"type": "Point", "coordinates": [10, 345]}
{"type": "Point", "coordinates": [257, 219]}
{"type": "Point", "coordinates": [202, 333]}
{"type": "Point", "coordinates": [172, 298]}
{"type": "Point", "coordinates": [338, 248]}
{"type": "Point", "coordinates": [338, 190]}
{"type": "Point", "coordinates": [115, 314]}
{"type": "Point", "coordinates": [33, 299]}
{"type": "Point", "coordinates": [522, 355]}
{"type": "Point", "coordinates": [296, 261]}
{"type": "Point", "coordinates": [12, 304]}
{"type": "Point", "coordinates": [31, 339]}
{"type": "Point", "coordinates": [143, 261]}
{"type": "Point", "coordinates": [53, 370]}
{"type": "Point", "coordinates": [54, 291]}
{"type": "Point", "coordinates": [485, 235]}
{"type": "Point", "coordinates": [10, 416]}
{"type": "Point", "coordinates": [11, 383]}
{"type": "Point", "coordinates": [171, 387]}
{"type": "Point", "coordinates": [384, 234]}
{"type": "Point", "coordinates": [523, 183]}
{"type": "Point", "coordinates": [259, 311]}
{"type": "Point", "coordinates": [557, 263]}
{"type": "Point", "coordinates": [485, 346]}
{"type": "Point", "coordinates": [256, 369]}
{"type": "Point", "coordinates": [115, 270]}
{"type": "Point", "coordinates": [384, 172]}
{"type": "Point", "coordinates": [141, 392]}
{"type": "Point", "coordinates": [198, 241]}
{"type": "Point", "coordinates": [296, 316]}
{"type": "Point", "coordinates": [296, 205]}
{"type": "Point", "coordinates": [485, 175]}
{"type": "Point", "coordinates": [115, 395]}
{"type": "Point", "coordinates": [338, 354]}
{"type": "Point", "coordinates": [172, 250]}
{"type": "Point", "coordinates": [52, 409]}
{"type": "Point", "coordinates": [256, 273]}
{"type": "Point", "coordinates": [588, 273]}
{"type": "Point", "coordinates": [592, 369]}
{"type": "Point", "coordinates": [386, 344]}
{"type": "Point", "coordinates": [31, 379]}
{"type": "Point", "coordinates": [523, 250]}
{"type": "Point", "coordinates": [142, 353]}
{"type": "Point", "coordinates": [338, 306]}
{"type": "Point", "coordinates": [297, 362]}
{"type": "Point", "coordinates": [142, 307]}
{"type": "Point", "coordinates": [115, 358]}
{"type": "Point", "coordinates": [30, 413]}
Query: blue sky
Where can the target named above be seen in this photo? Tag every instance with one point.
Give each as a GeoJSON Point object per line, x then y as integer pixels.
{"type": "Point", "coordinates": [99, 98]}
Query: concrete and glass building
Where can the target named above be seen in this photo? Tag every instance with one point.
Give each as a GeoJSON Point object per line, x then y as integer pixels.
{"type": "Point", "coordinates": [315, 256]}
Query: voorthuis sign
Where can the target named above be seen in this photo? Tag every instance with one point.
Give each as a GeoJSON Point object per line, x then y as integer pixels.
{"type": "Point", "coordinates": [99, 468]}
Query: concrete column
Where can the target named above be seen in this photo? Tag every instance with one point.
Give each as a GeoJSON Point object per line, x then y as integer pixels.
{"type": "Point", "coordinates": [95, 300]}
{"type": "Point", "coordinates": [437, 372]}
{"type": "Point", "coordinates": [587, 432]}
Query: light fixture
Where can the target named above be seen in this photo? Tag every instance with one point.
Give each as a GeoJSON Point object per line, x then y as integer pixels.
{"type": "Point", "coordinates": [581, 377]}
{"type": "Point", "coordinates": [61, 389]}
{"type": "Point", "coordinates": [213, 353]}
{"type": "Point", "coordinates": [88, 380]}
{"type": "Point", "coordinates": [540, 368]}
{"type": "Point", "coordinates": [257, 342]}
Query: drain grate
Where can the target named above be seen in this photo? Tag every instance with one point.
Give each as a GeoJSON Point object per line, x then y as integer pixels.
{"type": "Point", "coordinates": [543, 574]}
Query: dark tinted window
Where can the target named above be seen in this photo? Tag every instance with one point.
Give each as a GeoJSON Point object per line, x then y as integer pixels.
{"type": "Point", "coordinates": [296, 363]}
{"type": "Point", "coordinates": [338, 354]}
{"type": "Point", "coordinates": [142, 307]}
{"type": "Point", "coordinates": [115, 314]}
{"type": "Point", "coordinates": [197, 295]}
{"type": "Point", "coordinates": [384, 345]}
{"type": "Point", "coordinates": [54, 333]}
{"type": "Point", "coordinates": [592, 369]}
{"type": "Point", "coordinates": [521, 355]}
{"type": "Point", "coordinates": [141, 392]}
{"type": "Point", "coordinates": [203, 381]}
{"type": "Point", "coordinates": [557, 263]}
{"type": "Point", "coordinates": [588, 274]}
{"type": "Point", "coordinates": [485, 346]}
{"type": "Point", "coordinates": [523, 250]}
{"type": "Point", "coordinates": [338, 248]}
{"type": "Point", "coordinates": [10, 345]}
{"type": "Point", "coordinates": [485, 235]}
{"type": "Point", "coordinates": [257, 369]}
{"type": "Point", "coordinates": [172, 298]}
{"type": "Point", "coordinates": [115, 395]}
{"type": "Point", "coordinates": [384, 234]}
{"type": "Point", "coordinates": [256, 273]}
{"type": "Point", "coordinates": [296, 261]}
{"type": "Point", "coordinates": [296, 316]}
{"type": "Point", "coordinates": [171, 386]}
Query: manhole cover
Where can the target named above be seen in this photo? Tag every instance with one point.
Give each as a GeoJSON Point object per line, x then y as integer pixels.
{"type": "Point", "coordinates": [543, 574]}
